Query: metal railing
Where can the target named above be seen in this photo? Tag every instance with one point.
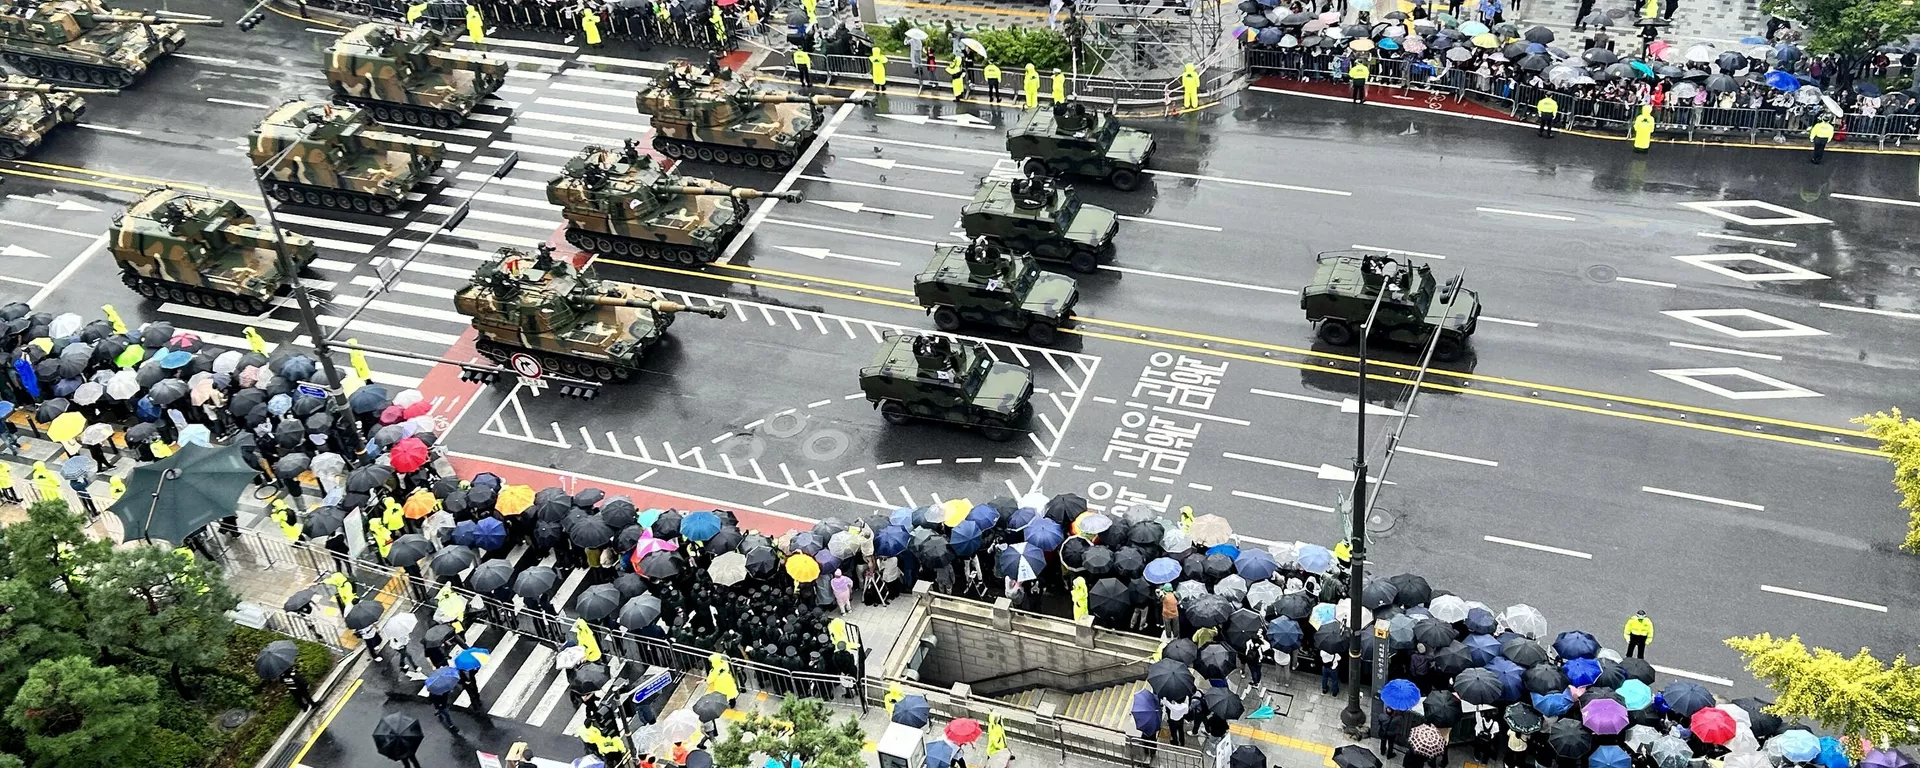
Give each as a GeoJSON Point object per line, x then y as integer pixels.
{"type": "Point", "coordinates": [1119, 94]}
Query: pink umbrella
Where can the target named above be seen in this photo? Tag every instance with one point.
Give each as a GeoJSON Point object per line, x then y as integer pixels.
{"type": "Point", "coordinates": [1604, 716]}
{"type": "Point", "coordinates": [965, 730]}
{"type": "Point", "coordinates": [1713, 725]}
{"type": "Point", "coordinates": [392, 415]}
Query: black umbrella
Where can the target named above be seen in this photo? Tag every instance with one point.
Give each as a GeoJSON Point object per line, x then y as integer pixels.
{"type": "Point", "coordinates": [1355, 756]}
{"type": "Point", "coordinates": [536, 583]}
{"type": "Point", "coordinates": [710, 706]}
{"type": "Point", "coordinates": [1146, 534]}
{"type": "Point", "coordinates": [291, 465]}
{"type": "Point", "coordinates": [1216, 662]}
{"type": "Point", "coordinates": [436, 636]}
{"type": "Point", "coordinates": [597, 602]}
{"type": "Point", "coordinates": [1378, 594]}
{"type": "Point", "coordinates": [175, 496]}
{"type": "Point", "coordinates": [1170, 680]}
{"type": "Point", "coordinates": [1181, 650]}
{"type": "Point", "coordinates": [364, 613]}
{"type": "Point", "coordinates": [1247, 756]}
{"type": "Point", "coordinates": [727, 540]}
{"type": "Point", "coordinates": [1332, 637]}
{"type": "Point", "coordinates": [276, 659]}
{"type": "Point", "coordinates": [396, 736]}
{"type": "Point", "coordinates": [1524, 719]}
{"type": "Point", "coordinates": [323, 522]}
{"type": "Point", "coordinates": [590, 677]}
{"type": "Point", "coordinates": [1073, 552]}
{"type": "Point", "coordinates": [365, 479]}
{"type": "Point", "coordinates": [1534, 62]}
{"type": "Point", "coordinates": [1108, 598]}
{"type": "Point", "coordinates": [1544, 678]}
{"type": "Point", "coordinates": [298, 602]}
{"type": "Point", "coordinates": [1540, 35]}
{"type": "Point", "coordinates": [1065, 507]}
{"type": "Point", "coordinates": [1244, 626]}
{"type": "Point", "coordinates": [1293, 605]}
{"type": "Point", "coordinates": [761, 562]}
{"type": "Point", "coordinates": [1569, 739]}
{"type": "Point", "coordinates": [1206, 610]}
{"type": "Point", "coordinates": [1222, 703]}
{"type": "Point", "coordinates": [1129, 562]}
{"type": "Point", "coordinates": [1098, 562]}
{"type": "Point", "coordinates": [1478, 686]}
{"type": "Point", "coordinates": [1452, 658]}
{"type": "Point", "coordinates": [450, 561]}
{"type": "Point", "coordinates": [1765, 724]}
{"type": "Point", "coordinates": [1611, 675]}
{"type": "Point", "coordinates": [640, 612]}
{"type": "Point", "coordinates": [550, 510]}
{"type": "Point", "coordinates": [1433, 633]}
{"type": "Point", "coordinates": [666, 565]}
{"type": "Point", "coordinates": [667, 525]}
{"type": "Point", "coordinates": [588, 498]}
{"type": "Point", "coordinates": [1216, 567]}
{"type": "Point", "coordinates": [590, 533]}
{"type": "Point", "coordinates": [630, 586]}
{"type": "Point", "coordinates": [490, 575]}
{"type": "Point", "coordinates": [1523, 651]}
{"type": "Point", "coordinates": [1635, 669]}
{"type": "Point", "coordinates": [933, 551]}
{"type": "Point", "coordinates": [1441, 708]}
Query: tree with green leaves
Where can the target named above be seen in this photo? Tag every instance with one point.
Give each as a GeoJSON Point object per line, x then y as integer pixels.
{"type": "Point", "coordinates": [161, 603]}
{"type": "Point", "coordinates": [1849, 695]}
{"type": "Point", "coordinates": [42, 562]}
{"type": "Point", "coordinates": [1899, 436]}
{"type": "Point", "coordinates": [78, 714]}
{"type": "Point", "coordinates": [802, 730]}
{"type": "Point", "coordinates": [1848, 28]}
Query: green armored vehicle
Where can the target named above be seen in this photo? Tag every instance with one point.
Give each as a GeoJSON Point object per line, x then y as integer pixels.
{"type": "Point", "coordinates": [983, 283]}
{"type": "Point", "coordinates": [1345, 285]}
{"type": "Point", "coordinates": [339, 158]}
{"type": "Point", "coordinates": [721, 119]}
{"type": "Point", "coordinates": [203, 251]}
{"type": "Point", "coordinates": [30, 109]}
{"type": "Point", "coordinates": [940, 378]}
{"type": "Point", "coordinates": [82, 41]}
{"type": "Point", "coordinates": [409, 75]}
{"type": "Point", "coordinates": [1039, 216]}
{"type": "Point", "coordinates": [569, 321]}
{"type": "Point", "coordinates": [1069, 138]}
{"type": "Point", "coordinates": [625, 203]}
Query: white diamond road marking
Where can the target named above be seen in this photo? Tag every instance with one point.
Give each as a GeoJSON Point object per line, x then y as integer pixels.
{"type": "Point", "coordinates": [1782, 270]}
{"type": "Point", "coordinates": [1696, 378]}
{"type": "Point", "coordinates": [1782, 327]}
{"type": "Point", "coordinates": [1725, 209]}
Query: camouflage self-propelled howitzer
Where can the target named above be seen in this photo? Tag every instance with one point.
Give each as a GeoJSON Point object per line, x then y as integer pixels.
{"type": "Point", "coordinates": [204, 252]}
{"type": "Point", "coordinates": [625, 203]}
{"type": "Point", "coordinates": [82, 41]}
{"type": "Point", "coordinates": [409, 75]}
{"type": "Point", "coordinates": [338, 158]}
{"type": "Point", "coordinates": [717, 118]}
{"type": "Point", "coordinates": [571, 322]}
{"type": "Point", "coordinates": [30, 109]}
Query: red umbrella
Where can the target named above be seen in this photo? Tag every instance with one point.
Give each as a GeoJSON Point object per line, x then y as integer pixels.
{"type": "Point", "coordinates": [392, 414]}
{"type": "Point", "coordinates": [966, 730]}
{"type": "Point", "coordinates": [417, 410]}
{"type": "Point", "coordinates": [1713, 726]}
{"type": "Point", "coordinates": [408, 455]}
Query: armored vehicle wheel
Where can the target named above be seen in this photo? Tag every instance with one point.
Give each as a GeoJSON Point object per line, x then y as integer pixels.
{"type": "Point", "coordinates": [1123, 179]}
{"type": "Point", "coordinates": [1084, 262]}
{"type": "Point", "coordinates": [378, 207]}
{"type": "Point", "coordinates": [946, 319]}
{"type": "Point", "coordinates": [249, 305]}
{"type": "Point", "coordinates": [668, 148]}
{"type": "Point", "coordinates": [895, 413]}
{"type": "Point", "coordinates": [1042, 333]}
{"type": "Point", "coordinates": [1449, 350]}
{"type": "Point", "coordinates": [688, 257]}
{"type": "Point", "coordinates": [1336, 332]}
{"type": "Point", "coordinates": [784, 160]}
{"type": "Point", "coordinates": [1033, 166]}
{"type": "Point", "coordinates": [995, 428]}
{"type": "Point", "coordinates": [705, 154]}
{"type": "Point", "coordinates": [752, 159]}
{"type": "Point", "coordinates": [10, 149]}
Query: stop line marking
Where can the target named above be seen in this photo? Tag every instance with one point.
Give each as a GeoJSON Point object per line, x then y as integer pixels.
{"type": "Point", "coordinates": [1822, 598]}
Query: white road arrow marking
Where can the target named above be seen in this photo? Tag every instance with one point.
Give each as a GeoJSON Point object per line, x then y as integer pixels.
{"type": "Point", "coordinates": [14, 250]}
{"type": "Point", "coordinates": [824, 253]}
{"type": "Point", "coordinates": [1324, 471]}
{"type": "Point", "coordinates": [886, 164]}
{"type": "Point", "coordinates": [924, 120]}
{"type": "Point", "coordinates": [64, 205]}
{"type": "Point", "coordinates": [1348, 405]}
{"type": "Point", "coordinates": [855, 207]}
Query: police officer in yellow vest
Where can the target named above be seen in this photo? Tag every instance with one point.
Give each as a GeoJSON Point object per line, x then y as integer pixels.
{"type": "Point", "coordinates": [46, 482]}
{"type": "Point", "coordinates": [476, 26]}
{"type": "Point", "coordinates": [719, 23]}
{"type": "Point", "coordinates": [802, 61]}
{"type": "Point", "coordinates": [1059, 85]}
{"type": "Point", "coordinates": [1190, 88]}
{"type": "Point", "coordinates": [415, 11]}
{"type": "Point", "coordinates": [1549, 110]}
{"type": "Point", "coordinates": [879, 63]}
{"type": "Point", "coordinates": [1079, 592]}
{"type": "Point", "coordinates": [894, 695]}
{"type": "Point", "coordinates": [662, 17]}
{"type": "Point", "coordinates": [116, 488]}
{"type": "Point", "coordinates": [382, 537]}
{"type": "Point", "coordinates": [957, 70]}
{"type": "Point", "coordinates": [1643, 129]}
{"type": "Point", "coordinates": [289, 523]}
{"type": "Point", "coordinates": [1032, 86]}
{"type": "Point", "coordinates": [996, 736]}
{"type": "Point", "coordinates": [1357, 75]}
{"type": "Point", "coordinates": [1820, 133]}
{"type": "Point", "coordinates": [589, 24]}
{"type": "Point", "coordinates": [993, 81]}
{"type": "Point", "coordinates": [810, 5]}
{"type": "Point", "coordinates": [7, 494]}
{"type": "Point", "coordinates": [342, 590]}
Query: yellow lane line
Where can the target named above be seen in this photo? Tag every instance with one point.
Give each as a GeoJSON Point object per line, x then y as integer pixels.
{"type": "Point", "coordinates": [351, 690]}
{"type": "Point", "coordinates": [143, 179]}
{"type": "Point", "coordinates": [764, 284]}
{"type": "Point", "coordinates": [102, 185]}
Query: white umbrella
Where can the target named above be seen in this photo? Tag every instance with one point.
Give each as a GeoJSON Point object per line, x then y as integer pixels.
{"type": "Point", "coordinates": [66, 324]}
{"type": "Point", "coordinates": [399, 629]}
{"type": "Point", "coordinates": [1748, 759]}
{"type": "Point", "coordinates": [89, 393]}
{"type": "Point", "coordinates": [196, 434]}
{"type": "Point", "coordinates": [1263, 594]}
{"type": "Point", "coordinates": [1211, 530]}
{"type": "Point", "coordinates": [570, 657]}
{"type": "Point", "coordinates": [1525, 619]}
{"type": "Point", "coordinates": [1034, 501]}
{"type": "Point", "coordinates": [1094, 523]}
{"type": "Point", "coordinates": [1283, 553]}
{"type": "Point", "coordinates": [96, 434]}
{"type": "Point", "coordinates": [227, 362]}
{"type": "Point", "coordinates": [124, 384]}
{"type": "Point", "coordinates": [1344, 609]}
{"type": "Point", "coordinates": [1448, 608]}
{"type": "Point", "coordinates": [1175, 539]}
{"type": "Point", "coordinates": [1189, 588]}
{"type": "Point", "coordinates": [1743, 739]}
{"type": "Point", "coordinates": [845, 543]}
{"type": "Point", "coordinates": [1640, 736]}
{"type": "Point", "coordinates": [1231, 587]}
{"type": "Point", "coordinates": [728, 569]}
{"type": "Point", "coordinates": [974, 45]}
{"type": "Point", "coordinates": [916, 33]}
{"type": "Point", "coordinates": [408, 397]}
{"type": "Point", "coordinates": [677, 727]}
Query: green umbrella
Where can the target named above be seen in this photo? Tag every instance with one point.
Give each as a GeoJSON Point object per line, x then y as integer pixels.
{"type": "Point", "coordinates": [131, 356]}
{"type": "Point", "coordinates": [175, 496]}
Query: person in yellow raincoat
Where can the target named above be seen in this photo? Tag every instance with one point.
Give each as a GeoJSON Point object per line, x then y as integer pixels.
{"type": "Point", "coordinates": [476, 26]}
{"type": "Point", "coordinates": [1643, 129]}
{"type": "Point", "coordinates": [590, 25]}
{"type": "Point", "coordinates": [342, 589]}
{"type": "Point", "coordinates": [46, 482]}
{"type": "Point", "coordinates": [720, 678]}
{"type": "Point", "coordinates": [255, 341]}
{"type": "Point", "coordinates": [1186, 519]}
{"type": "Point", "coordinates": [1032, 86]}
{"type": "Point", "coordinates": [450, 608]}
{"type": "Point", "coordinates": [7, 494]}
{"type": "Point", "coordinates": [283, 515]}
{"type": "Point", "coordinates": [879, 63]}
{"type": "Point", "coordinates": [382, 537]}
{"type": "Point", "coordinates": [415, 12]}
{"type": "Point", "coordinates": [116, 488]}
{"type": "Point", "coordinates": [113, 318]}
{"type": "Point", "coordinates": [1190, 88]}
{"type": "Point", "coordinates": [1079, 598]}
{"type": "Point", "coordinates": [1059, 85]}
{"type": "Point", "coordinates": [583, 635]}
{"type": "Point", "coordinates": [996, 736]}
{"type": "Point", "coordinates": [894, 695]}
{"type": "Point", "coordinates": [391, 514]}
{"type": "Point", "coordinates": [957, 71]}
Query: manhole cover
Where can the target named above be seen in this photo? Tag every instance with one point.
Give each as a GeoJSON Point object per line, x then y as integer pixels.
{"type": "Point", "coordinates": [786, 424]}
{"type": "Point", "coordinates": [233, 718]}
{"type": "Point", "coordinates": [825, 445]}
{"type": "Point", "coordinates": [1601, 273]}
{"type": "Point", "coordinates": [1380, 522]}
{"type": "Point", "coordinates": [743, 447]}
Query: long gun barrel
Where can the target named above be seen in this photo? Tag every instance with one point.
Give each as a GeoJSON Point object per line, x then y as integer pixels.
{"type": "Point", "coordinates": [796, 98]}
{"type": "Point", "coordinates": [51, 88]}
{"type": "Point", "coordinates": [125, 17]}
{"type": "Point", "coordinates": [717, 311]}
{"type": "Point", "coordinates": [737, 193]}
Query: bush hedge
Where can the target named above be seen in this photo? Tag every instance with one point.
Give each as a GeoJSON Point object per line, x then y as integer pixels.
{"type": "Point", "coordinates": [1013, 48]}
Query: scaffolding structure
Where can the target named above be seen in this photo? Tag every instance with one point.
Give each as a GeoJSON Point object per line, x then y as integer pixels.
{"type": "Point", "coordinates": [1145, 40]}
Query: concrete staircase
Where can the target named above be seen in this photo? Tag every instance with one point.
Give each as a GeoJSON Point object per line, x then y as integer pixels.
{"type": "Point", "coordinates": [1107, 707]}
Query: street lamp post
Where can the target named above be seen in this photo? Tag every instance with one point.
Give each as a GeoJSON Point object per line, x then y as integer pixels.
{"type": "Point", "coordinates": [1353, 717]}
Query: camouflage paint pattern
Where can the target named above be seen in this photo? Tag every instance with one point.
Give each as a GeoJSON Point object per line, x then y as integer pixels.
{"type": "Point", "coordinates": [340, 148]}
{"type": "Point", "coordinates": [630, 194]}
{"type": "Point", "coordinates": [1070, 138]}
{"type": "Point", "coordinates": [947, 379]}
{"type": "Point", "coordinates": [691, 105]}
{"type": "Point", "coordinates": [204, 242]}
{"type": "Point", "coordinates": [403, 64]}
{"type": "Point", "coordinates": [86, 32]}
{"type": "Point", "coordinates": [29, 109]}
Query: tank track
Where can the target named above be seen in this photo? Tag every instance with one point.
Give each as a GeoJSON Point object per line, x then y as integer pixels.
{"type": "Point", "coordinates": [179, 293]}
{"type": "Point", "coordinates": [75, 72]}
{"type": "Point", "coordinates": [405, 114]}
{"type": "Point", "coordinates": [565, 365]}
{"type": "Point", "coordinates": [721, 154]}
{"type": "Point", "coordinates": [12, 150]}
{"type": "Point", "coordinates": [651, 250]}
{"type": "Point", "coordinates": [331, 199]}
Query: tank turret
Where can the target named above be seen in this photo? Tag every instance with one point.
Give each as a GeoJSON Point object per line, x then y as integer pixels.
{"type": "Point", "coordinates": [30, 109]}
{"type": "Point", "coordinates": [570, 321]}
{"type": "Point", "coordinates": [720, 118]}
{"type": "Point", "coordinates": [626, 203]}
{"type": "Point", "coordinates": [329, 156]}
{"type": "Point", "coordinates": [81, 41]}
{"type": "Point", "coordinates": [410, 75]}
{"type": "Point", "coordinates": [203, 251]}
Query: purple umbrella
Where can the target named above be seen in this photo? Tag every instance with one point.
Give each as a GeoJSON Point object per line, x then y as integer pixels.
{"type": "Point", "coordinates": [1885, 758]}
{"type": "Point", "coordinates": [1604, 716]}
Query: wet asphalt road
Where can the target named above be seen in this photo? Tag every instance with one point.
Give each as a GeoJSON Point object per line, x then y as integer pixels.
{"type": "Point", "coordinates": [1544, 440]}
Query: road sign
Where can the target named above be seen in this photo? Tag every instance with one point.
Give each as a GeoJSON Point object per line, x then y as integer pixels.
{"type": "Point", "coordinates": [312, 390]}
{"type": "Point", "coordinates": [525, 365]}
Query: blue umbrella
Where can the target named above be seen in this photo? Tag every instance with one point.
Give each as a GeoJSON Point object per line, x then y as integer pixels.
{"type": "Point", "coordinates": [1635, 695]}
{"type": "Point", "coordinates": [1685, 698]}
{"type": "Point", "coordinates": [1782, 81]}
{"type": "Point", "coordinates": [1581, 672]}
{"type": "Point", "coordinates": [1163, 570]}
{"type": "Point", "coordinates": [1323, 614]}
{"type": "Point", "coordinates": [176, 359]}
{"type": "Point", "coordinates": [1752, 40]}
{"type": "Point", "coordinates": [1552, 704]}
{"type": "Point", "coordinates": [1512, 676]}
{"type": "Point", "coordinates": [1609, 756]}
{"type": "Point", "coordinates": [443, 680]}
{"type": "Point", "coordinates": [1536, 48]}
{"type": "Point", "coordinates": [463, 532]}
{"type": "Point", "coordinates": [1146, 712]}
{"type": "Point", "coordinates": [901, 516]}
{"type": "Point", "coordinates": [1797, 745]}
{"type": "Point", "coordinates": [891, 541]}
{"type": "Point", "coordinates": [1284, 634]}
{"type": "Point", "coordinates": [1832, 755]}
{"type": "Point", "coordinates": [700, 526]}
{"type": "Point", "coordinates": [1400, 695]}
{"type": "Point", "coordinates": [1045, 534]}
{"type": "Point", "coordinates": [1574, 644]}
{"type": "Point", "coordinates": [278, 405]}
{"type": "Point", "coordinates": [1022, 562]}
{"type": "Point", "coordinates": [146, 409]}
{"type": "Point", "coordinates": [939, 753]}
{"type": "Point", "coordinates": [966, 539]}
{"type": "Point", "coordinates": [1021, 517]}
{"type": "Point", "coordinates": [1388, 44]}
{"type": "Point", "coordinates": [490, 533]}
{"type": "Point", "coordinates": [913, 711]}
{"type": "Point", "coordinates": [1483, 648]}
{"type": "Point", "coordinates": [471, 659]}
{"type": "Point", "coordinates": [1229, 550]}
{"type": "Point", "coordinates": [28, 379]}
{"type": "Point", "coordinates": [1255, 565]}
{"type": "Point", "coordinates": [984, 515]}
{"type": "Point", "coordinates": [1480, 621]}
{"type": "Point", "coordinates": [1314, 557]}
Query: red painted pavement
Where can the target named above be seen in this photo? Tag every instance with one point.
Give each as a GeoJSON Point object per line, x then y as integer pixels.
{"type": "Point", "coordinates": [1385, 95]}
